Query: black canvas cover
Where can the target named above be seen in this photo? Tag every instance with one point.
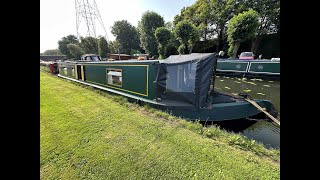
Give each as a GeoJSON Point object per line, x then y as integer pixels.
{"type": "Point", "coordinates": [186, 77]}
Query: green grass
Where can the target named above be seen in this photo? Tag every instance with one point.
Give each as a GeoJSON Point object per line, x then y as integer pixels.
{"type": "Point", "coordinates": [88, 134]}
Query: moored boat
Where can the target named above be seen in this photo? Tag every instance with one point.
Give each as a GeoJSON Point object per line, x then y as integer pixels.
{"type": "Point", "coordinates": [249, 68]}
{"type": "Point", "coordinates": [181, 84]}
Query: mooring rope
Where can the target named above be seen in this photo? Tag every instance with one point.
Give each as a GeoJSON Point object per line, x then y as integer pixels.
{"type": "Point", "coordinates": [247, 97]}
{"type": "Point", "coordinates": [262, 110]}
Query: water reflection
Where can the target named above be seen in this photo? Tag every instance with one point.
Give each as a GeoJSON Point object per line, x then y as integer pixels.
{"type": "Point", "coordinates": [266, 132]}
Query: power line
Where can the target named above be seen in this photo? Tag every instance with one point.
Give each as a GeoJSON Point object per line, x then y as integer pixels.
{"type": "Point", "coordinates": [88, 10]}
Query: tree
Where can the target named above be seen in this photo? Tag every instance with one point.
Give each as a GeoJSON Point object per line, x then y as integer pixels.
{"type": "Point", "coordinates": [89, 45]}
{"type": "Point", "coordinates": [103, 47]}
{"type": "Point", "coordinates": [179, 17]}
{"type": "Point", "coordinates": [75, 50]}
{"type": "Point", "coordinates": [150, 21]}
{"type": "Point", "coordinates": [126, 34]}
{"type": "Point", "coordinates": [221, 11]}
{"type": "Point", "coordinates": [111, 47]}
{"type": "Point", "coordinates": [187, 34]}
{"type": "Point", "coordinates": [201, 18]}
{"type": "Point", "coordinates": [211, 17]}
{"type": "Point", "coordinates": [181, 49]}
{"type": "Point", "coordinates": [70, 39]}
{"type": "Point", "coordinates": [163, 36]}
{"type": "Point", "coordinates": [198, 14]}
{"type": "Point", "coordinates": [169, 25]}
{"type": "Point", "coordinates": [52, 52]}
{"type": "Point", "coordinates": [114, 46]}
{"type": "Point", "coordinates": [269, 18]}
{"type": "Point", "coordinates": [194, 37]}
{"type": "Point", "coordinates": [241, 27]}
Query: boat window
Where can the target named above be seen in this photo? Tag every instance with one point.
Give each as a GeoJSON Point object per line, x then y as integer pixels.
{"type": "Point", "coordinates": [114, 76]}
{"type": "Point", "coordinates": [181, 78]}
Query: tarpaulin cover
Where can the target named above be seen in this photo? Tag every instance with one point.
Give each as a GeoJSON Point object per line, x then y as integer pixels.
{"type": "Point", "coordinates": [186, 77]}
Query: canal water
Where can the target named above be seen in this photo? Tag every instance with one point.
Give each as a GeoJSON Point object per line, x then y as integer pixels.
{"type": "Point", "coordinates": [266, 132]}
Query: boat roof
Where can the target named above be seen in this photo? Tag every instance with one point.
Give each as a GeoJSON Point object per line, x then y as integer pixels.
{"type": "Point", "coordinates": [124, 61]}
{"type": "Point", "coordinates": [243, 60]}
{"type": "Point", "coordinates": [177, 59]}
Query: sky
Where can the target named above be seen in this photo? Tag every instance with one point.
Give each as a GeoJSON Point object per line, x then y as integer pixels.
{"type": "Point", "coordinates": [58, 17]}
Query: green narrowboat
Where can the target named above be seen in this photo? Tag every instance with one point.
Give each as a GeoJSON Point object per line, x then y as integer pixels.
{"type": "Point", "coordinates": [181, 84]}
{"type": "Point", "coordinates": [249, 68]}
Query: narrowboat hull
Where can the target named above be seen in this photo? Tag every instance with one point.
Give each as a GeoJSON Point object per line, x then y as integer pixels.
{"type": "Point", "coordinates": [249, 68]}
{"type": "Point", "coordinates": [218, 112]}
{"type": "Point", "coordinates": [182, 85]}
{"type": "Point", "coordinates": [136, 77]}
{"type": "Point", "coordinates": [226, 111]}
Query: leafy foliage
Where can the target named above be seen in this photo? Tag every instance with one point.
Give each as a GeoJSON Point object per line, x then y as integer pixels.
{"type": "Point", "coordinates": [197, 14]}
{"type": "Point", "coordinates": [75, 50]}
{"type": "Point", "coordinates": [221, 11]}
{"type": "Point", "coordinates": [241, 27]}
{"type": "Point", "coordinates": [169, 25]}
{"type": "Point", "coordinates": [187, 34]}
{"type": "Point", "coordinates": [269, 19]}
{"type": "Point", "coordinates": [211, 17]}
{"type": "Point", "coordinates": [89, 45]}
{"type": "Point", "coordinates": [163, 36]}
{"type": "Point", "coordinates": [127, 35]}
{"type": "Point", "coordinates": [150, 21]}
{"type": "Point", "coordinates": [70, 39]}
{"type": "Point", "coordinates": [103, 47]}
{"type": "Point", "coordinates": [181, 49]}
{"type": "Point", "coordinates": [269, 15]}
{"type": "Point", "coordinates": [52, 52]}
{"type": "Point", "coordinates": [114, 46]}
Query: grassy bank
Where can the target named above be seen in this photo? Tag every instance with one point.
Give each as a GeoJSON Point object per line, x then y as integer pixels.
{"type": "Point", "coordinates": [88, 134]}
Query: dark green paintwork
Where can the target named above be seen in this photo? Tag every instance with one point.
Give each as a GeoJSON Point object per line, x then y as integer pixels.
{"type": "Point", "coordinates": [133, 77]}
{"type": "Point", "coordinates": [219, 112]}
{"type": "Point", "coordinates": [233, 66]}
{"type": "Point", "coordinates": [268, 67]}
{"type": "Point", "coordinates": [249, 66]}
{"type": "Point", "coordinates": [224, 111]}
{"type": "Point", "coordinates": [135, 80]}
{"type": "Point", "coordinates": [134, 83]}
